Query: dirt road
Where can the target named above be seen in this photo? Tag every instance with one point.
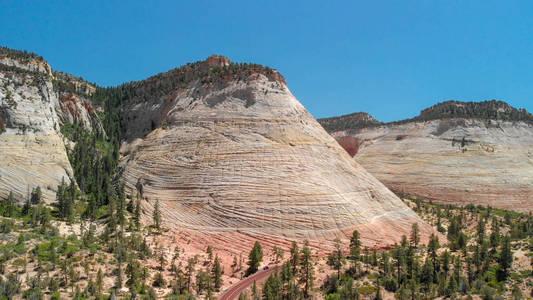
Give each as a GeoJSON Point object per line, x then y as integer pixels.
{"type": "Point", "coordinates": [234, 291]}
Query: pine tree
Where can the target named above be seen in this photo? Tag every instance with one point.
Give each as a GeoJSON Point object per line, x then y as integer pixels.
{"type": "Point", "coordinates": [255, 292]}
{"type": "Point", "coordinates": [121, 208]}
{"type": "Point", "coordinates": [355, 249]}
{"type": "Point", "coordinates": [495, 234]}
{"type": "Point", "coordinates": [306, 269]}
{"type": "Point", "coordinates": [217, 273]}
{"type": "Point", "coordinates": [433, 247]}
{"type": "Point", "coordinates": [278, 252]}
{"type": "Point", "coordinates": [91, 208]}
{"type": "Point", "coordinates": [69, 203]}
{"type": "Point", "coordinates": [415, 235]}
{"type": "Point", "coordinates": [159, 280]}
{"type": "Point", "coordinates": [412, 261]}
{"type": "Point", "coordinates": [190, 272]}
{"type": "Point", "coordinates": [378, 295]}
{"type": "Point", "coordinates": [156, 216]}
{"type": "Point", "coordinates": [137, 214]}
{"type": "Point", "coordinates": [65, 198]}
{"type": "Point", "coordinates": [272, 288]}
{"type": "Point", "coordinates": [118, 279]}
{"type": "Point", "coordinates": [60, 197]}
{"type": "Point", "coordinates": [26, 209]}
{"type": "Point", "coordinates": [161, 257]}
{"type": "Point", "coordinates": [295, 256]}
{"type": "Point", "coordinates": [399, 256]}
{"type": "Point", "coordinates": [10, 205]}
{"type": "Point", "coordinates": [209, 252]}
{"type": "Point", "coordinates": [385, 263]}
{"type": "Point", "coordinates": [336, 259]}
{"type": "Point", "coordinates": [287, 279]}
{"type": "Point", "coordinates": [36, 195]}
{"type": "Point", "coordinates": [254, 258]}
{"type": "Point", "coordinates": [348, 292]}
{"type": "Point", "coordinates": [506, 256]}
{"type": "Point", "coordinates": [133, 273]}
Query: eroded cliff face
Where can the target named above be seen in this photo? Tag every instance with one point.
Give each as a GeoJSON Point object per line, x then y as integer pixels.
{"type": "Point", "coordinates": [238, 158]}
{"type": "Point", "coordinates": [74, 104]}
{"type": "Point", "coordinates": [456, 160]}
{"type": "Point", "coordinates": [77, 109]}
{"type": "Point", "coordinates": [32, 111]}
{"type": "Point", "coordinates": [31, 148]}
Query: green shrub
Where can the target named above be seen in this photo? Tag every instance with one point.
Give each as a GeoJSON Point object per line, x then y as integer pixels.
{"type": "Point", "coordinates": [367, 290]}
{"type": "Point", "coordinates": [390, 284]}
{"type": "Point", "coordinates": [334, 296]}
{"type": "Point", "coordinates": [19, 262]}
{"type": "Point", "coordinates": [159, 281]}
{"type": "Point", "coordinates": [6, 226]}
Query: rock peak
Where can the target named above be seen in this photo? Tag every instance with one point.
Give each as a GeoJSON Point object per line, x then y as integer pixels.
{"type": "Point", "coordinates": [218, 60]}
{"type": "Point", "coordinates": [351, 121]}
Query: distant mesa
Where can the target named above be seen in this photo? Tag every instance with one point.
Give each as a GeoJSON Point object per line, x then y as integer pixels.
{"type": "Point", "coordinates": [348, 122]}
{"type": "Point", "coordinates": [453, 152]}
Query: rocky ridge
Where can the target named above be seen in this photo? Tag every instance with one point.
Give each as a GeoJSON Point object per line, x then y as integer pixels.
{"type": "Point", "coordinates": [454, 152]}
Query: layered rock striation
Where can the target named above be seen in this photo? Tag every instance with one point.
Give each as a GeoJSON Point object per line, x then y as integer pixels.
{"type": "Point", "coordinates": [231, 154]}
{"type": "Point", "coordinates": [454, 152]}
{"type": "Point", "coordinates": [32, 110]}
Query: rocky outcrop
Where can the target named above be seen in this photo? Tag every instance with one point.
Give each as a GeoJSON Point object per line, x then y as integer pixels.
{"type": "Point", "coordinates": [31, 148]}
{"type": "Point", "coordinates": [351, 121]}
{"type": "Point", "coordinates": [34, 104]}
{"type": "Point", "coordinates": [24, 61]}
{"type": "Point", "coordinates": [75, 107]}
{"type": "Point", "coordinates": [454, 159]}
{"type": "Point", "coordinates": [234, 156]}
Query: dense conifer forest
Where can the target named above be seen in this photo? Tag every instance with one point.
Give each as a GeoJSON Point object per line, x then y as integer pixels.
{"type": "Point", "coordinates": [481, 252]}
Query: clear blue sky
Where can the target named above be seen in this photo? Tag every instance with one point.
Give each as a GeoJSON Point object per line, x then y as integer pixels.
{"type": "Point", "coordinates": [388, 58]}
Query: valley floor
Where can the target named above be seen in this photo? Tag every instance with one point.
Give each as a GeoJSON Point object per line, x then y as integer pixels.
{"type": "Point", "coordinates": [480, 253]}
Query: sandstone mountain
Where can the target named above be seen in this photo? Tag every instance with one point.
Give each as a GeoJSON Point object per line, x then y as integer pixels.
{"type": "Point", "coordinates": [225, 148]}
{"type": "Point", "coordinates": [454, 152]}
{"type": "Point", "coordinates": [35, 102]}
{"type": "Point", "coordinates": [230, 153]}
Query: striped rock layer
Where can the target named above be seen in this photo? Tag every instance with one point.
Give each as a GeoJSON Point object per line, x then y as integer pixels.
{"type": "Point", "coordinates": [239, 160]}
{"type": "Point", "coordinates": [32, 111]}
{"type": "Point", "coordinates": [453, 161]}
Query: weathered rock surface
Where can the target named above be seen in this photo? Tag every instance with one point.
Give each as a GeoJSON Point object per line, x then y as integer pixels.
{"type": "Point", "coordinates": [31, 148]}
{"type": "Point", "coordinates": [32, 110]}
{"type": "Point", "coordinates": [236, 157]}
{"type": "Point", "coordinates": [74, 104]}
{"type": "Point", "coordinates": [452, 160]}
{"type": "Point", "coordinates": [77, 109]}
